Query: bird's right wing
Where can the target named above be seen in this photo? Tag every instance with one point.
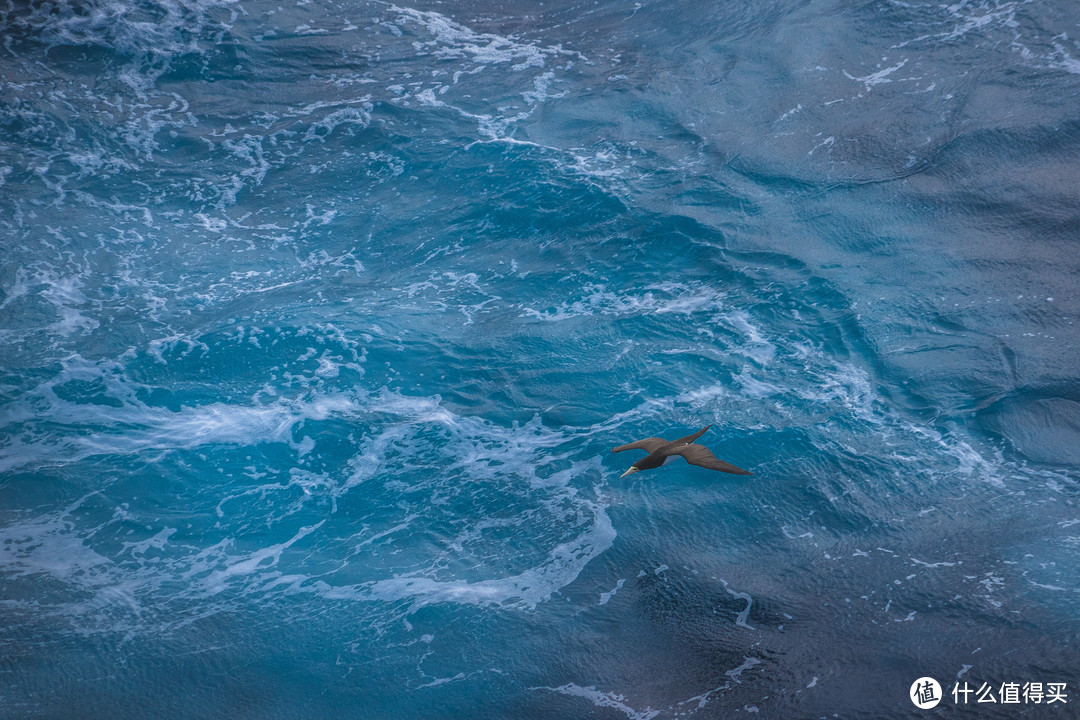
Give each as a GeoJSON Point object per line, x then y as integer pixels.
{"type": "Point", "coordinates": [691, 438]}
{"type": "Point", "coordinates": [701, 456]}
{"type": "Point", "coordinates": [648, 445]}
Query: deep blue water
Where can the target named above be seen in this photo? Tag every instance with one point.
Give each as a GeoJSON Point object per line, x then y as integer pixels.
{"type": "Point", "coordinates": [318, 320]}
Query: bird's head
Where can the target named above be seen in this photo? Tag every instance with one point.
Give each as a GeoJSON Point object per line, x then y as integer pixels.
{"type": "Point", "coordinates": [633, 469]}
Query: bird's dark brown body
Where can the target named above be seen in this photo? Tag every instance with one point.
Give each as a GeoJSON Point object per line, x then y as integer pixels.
{"type": "Point", "coordinates": [661, 450]}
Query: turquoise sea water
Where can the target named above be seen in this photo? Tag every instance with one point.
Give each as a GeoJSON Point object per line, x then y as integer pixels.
{"type": "Point", "coordinates": [319, 319]}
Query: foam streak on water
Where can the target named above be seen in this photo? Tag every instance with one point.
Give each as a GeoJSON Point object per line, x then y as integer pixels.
{"type": "Point", "coordinates": [318, 321]}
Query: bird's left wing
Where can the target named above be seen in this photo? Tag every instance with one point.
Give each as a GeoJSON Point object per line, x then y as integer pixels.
{"type": "Point", "coordinates": [648, 445]}
{"type": "Point", "coordinates": [700, 455]}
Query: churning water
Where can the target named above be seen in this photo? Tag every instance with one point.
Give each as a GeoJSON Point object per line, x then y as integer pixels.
{"type": "Point", "coordinates": [318, 320]}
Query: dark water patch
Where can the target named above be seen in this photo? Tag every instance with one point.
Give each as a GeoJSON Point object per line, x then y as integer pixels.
{"type": "Point", "coordinates": [1045, 430]}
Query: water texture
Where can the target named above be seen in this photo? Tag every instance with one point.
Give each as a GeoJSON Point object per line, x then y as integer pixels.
{"type": "Point", "coordinates": [318, 320]}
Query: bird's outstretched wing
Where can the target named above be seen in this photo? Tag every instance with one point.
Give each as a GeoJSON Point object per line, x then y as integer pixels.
{"type": "Point", "coordinates": [691, 438]}
{"type": "Point", "coordinates": [648, 445]}
{"type": "Point", "coordinates": [700, 455]}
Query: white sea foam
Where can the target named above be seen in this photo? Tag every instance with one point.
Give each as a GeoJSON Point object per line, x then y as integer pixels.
{"type": "Point", "coordinates": [477, 52]}
{"type": "Point", "coordinates": [451, 290]}
{"type": "Point", "coordinates": [1062, 59]}
{"type": "Point", "coordinates": [139, 428]}
{"type": "Point", "coordinates": [659, 298]}
{"type": "Point", "coordinates": [359, 116]}
{"type": "Point", "coordinates": [603, 699]}
{"type": "Point", "coordinates": [249, 149]}
{"type": "Point", "coordinates": [48, 545]}
{"type": "Point", "coordinates": [799, 385]}
{"type": "Point", "coordinates": [568, 528]}
{"type": "Point", "coordinates": [157, 542]}
{"type": "Point", "coordinates": [63, 291]}
{"type": "Point", "coordinates": [879, 77]}
{"type": "Point", "coordinates": [606, 596]}
{"type": "Point", "coordinates": [740, 620]}
{"type": "Point", "coordinates": [681, 708]}
{"type": "Point", "coordinates": [453, 40]}
{"type": "Point", "coordinates": [970, 15]}
{"type": "Point", "coordinates": [527, 589]}
{"type": "Point", "coordinates": [249, 564]}
{"type": "Point", "coordinates": [124, 27]}
{"type": "Point", "coordinates": [541, 86]}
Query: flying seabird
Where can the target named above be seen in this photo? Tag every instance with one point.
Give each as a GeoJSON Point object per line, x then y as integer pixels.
{"type": "Point", "coordinates": [660, 451]}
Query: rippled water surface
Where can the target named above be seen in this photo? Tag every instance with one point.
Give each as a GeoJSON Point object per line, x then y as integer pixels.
{"type": "Point", "coordinates": [318, 320]}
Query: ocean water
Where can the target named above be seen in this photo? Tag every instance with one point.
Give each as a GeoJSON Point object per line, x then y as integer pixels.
{"type": "Point", "coordinates": [318, 321]}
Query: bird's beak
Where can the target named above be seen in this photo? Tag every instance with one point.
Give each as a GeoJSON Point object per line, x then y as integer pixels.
{"type": "Point", "coordinates": [631, 471]}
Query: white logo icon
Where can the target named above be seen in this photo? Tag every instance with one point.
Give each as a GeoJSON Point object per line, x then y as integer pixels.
{"type": "Point", "coordinates": [925, 693]}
